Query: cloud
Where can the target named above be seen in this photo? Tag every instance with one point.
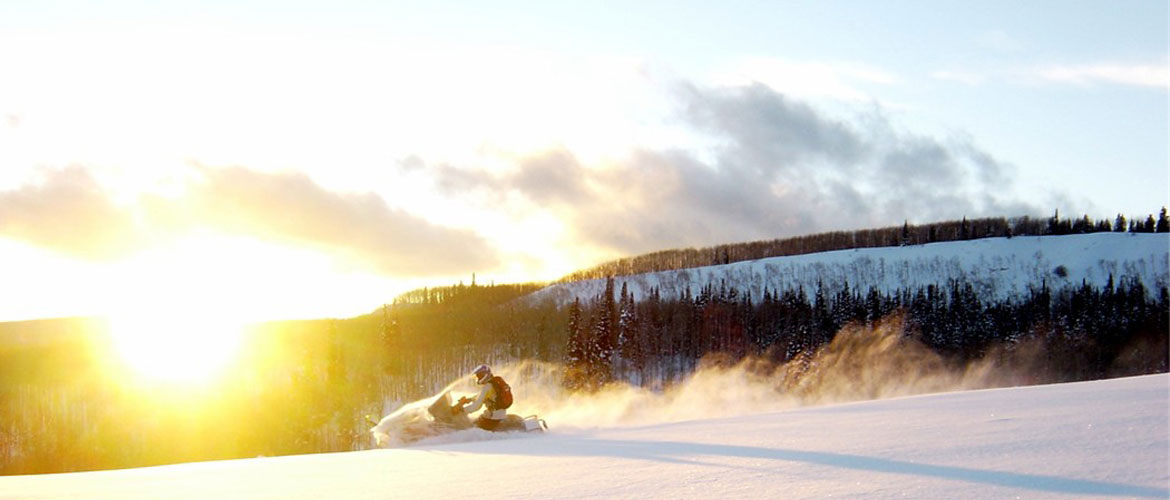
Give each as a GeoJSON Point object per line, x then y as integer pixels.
{"type": "Point", "coordinates": [68, 211]}
{"type": "Point", "coordinates": [1155, 75]}
{"type": "Point", "coordinates": [781, 168]}
{"type": "Point", "coordinates": [767, 130]}
{"type": "Point", "coordinates": [290, 207]}
{"type": "Point", "coordinates": [554, 175]}
{"type": "Point", "coordinates": [1152, 75]}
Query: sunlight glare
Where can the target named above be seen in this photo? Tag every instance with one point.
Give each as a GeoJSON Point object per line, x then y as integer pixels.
{"type": "Point", "coordinates": [177, 311]}
{"type": "Point", "coordinates": [177, 315]}
{"type": "Point", "coordinates": [174, 348]}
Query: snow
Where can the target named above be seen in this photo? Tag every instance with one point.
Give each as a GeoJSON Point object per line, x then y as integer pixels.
{"type": "Point", "coordinates": [1101, 439]}
{"type": "Point", "coordinates": [996, 267]}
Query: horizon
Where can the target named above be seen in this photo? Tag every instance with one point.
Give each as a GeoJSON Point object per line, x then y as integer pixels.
{"type": "Point", "coordinates": [271, 162]}
{"type": "Point", "coordinates": [570, 276]}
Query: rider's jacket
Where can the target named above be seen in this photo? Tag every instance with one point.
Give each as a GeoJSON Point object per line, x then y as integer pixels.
{"type": "Point", "coordinates": [486, 394]}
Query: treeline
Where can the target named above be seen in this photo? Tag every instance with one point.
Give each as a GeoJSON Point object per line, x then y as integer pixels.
{"type": "Point", "coordinates": [1083, 333]}
{"type": "Point", "coordinates": [460, 327]}
{"type": "Point", "coordinates": [464, 294]}
{"type": "Point", "coordinates": [906, 234]}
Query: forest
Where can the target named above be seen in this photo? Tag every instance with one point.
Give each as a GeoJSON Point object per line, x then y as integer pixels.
{"type": "Point", "coordinates": [1081, 334]}
{"type": "Point", "coordinates": [308, 386]}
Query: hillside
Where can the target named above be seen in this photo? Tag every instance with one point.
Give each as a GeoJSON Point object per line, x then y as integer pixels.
{"type": "Point", "coordinates": [305, 387]}
{"type": "Point", "coordinates": [997, 268]}
{"type": "Point", "coordinates": [1104, 439]}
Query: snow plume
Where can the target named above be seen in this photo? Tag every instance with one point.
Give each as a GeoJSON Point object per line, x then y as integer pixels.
{"type": "Point", "coordinates": [862, 362]}
{"type": "Point", "coordinates": [408, 423]}
{"type": "Point", "coordinates": [874, 362]}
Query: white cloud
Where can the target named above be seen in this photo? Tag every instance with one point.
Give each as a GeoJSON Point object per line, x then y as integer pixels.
{"type": "Point", "coordinates": [1154, 75]}
{"type": "Point", "coordinates": [1141, 75]}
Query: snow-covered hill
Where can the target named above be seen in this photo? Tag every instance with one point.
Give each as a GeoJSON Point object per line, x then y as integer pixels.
{"type": "Point", "coordinates": [1104, 439]}
{"type": "Point", "coordinates": [997, 268]}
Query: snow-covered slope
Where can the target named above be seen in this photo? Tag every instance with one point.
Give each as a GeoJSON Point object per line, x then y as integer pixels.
{"type": "Point", "coordinates": [996, 267]}
{"type": "Point", "coordinates": [1104, 439]}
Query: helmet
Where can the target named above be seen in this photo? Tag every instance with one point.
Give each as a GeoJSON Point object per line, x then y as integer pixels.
{"type": "Point", "coordinates": [482, 373]}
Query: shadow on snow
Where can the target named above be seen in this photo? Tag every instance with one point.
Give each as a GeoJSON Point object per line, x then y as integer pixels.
{"type": "Point", "coordinates": [673, 451]}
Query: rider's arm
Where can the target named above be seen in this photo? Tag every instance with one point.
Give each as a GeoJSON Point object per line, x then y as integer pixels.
{"type": "Point", "coordinates": [483, 394]}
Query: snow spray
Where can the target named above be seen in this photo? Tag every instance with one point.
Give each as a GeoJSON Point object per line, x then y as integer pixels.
{"type": "Point", "coordinates": [862, 362]}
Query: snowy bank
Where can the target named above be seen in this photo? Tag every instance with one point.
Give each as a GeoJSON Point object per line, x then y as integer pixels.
{"type": "Point", "coordinates": [997, 268]}
{"type": "Point", "coordinates": [1103, 439]}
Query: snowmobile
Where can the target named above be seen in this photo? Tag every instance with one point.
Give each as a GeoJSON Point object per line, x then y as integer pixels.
{"type": "Point", "coordinates": [438, 415]}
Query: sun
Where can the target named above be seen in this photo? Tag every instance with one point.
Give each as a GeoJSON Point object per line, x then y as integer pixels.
{"type": "Point", "coordinates": [178, 311]}
{"type": "Point", "coordinates": [175, 315]}
{"type": "Point", "coordinates": [171, 347]}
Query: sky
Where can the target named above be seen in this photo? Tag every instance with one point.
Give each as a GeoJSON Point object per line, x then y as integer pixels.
{"type": "Point", "coordinates": [262, 160]}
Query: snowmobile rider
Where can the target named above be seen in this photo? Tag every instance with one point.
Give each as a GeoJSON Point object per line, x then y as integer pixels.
{"type": "Point", "coordinates": [489, 397]}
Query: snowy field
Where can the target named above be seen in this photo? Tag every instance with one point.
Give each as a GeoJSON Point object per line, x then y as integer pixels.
{"type": "Point", "coordinates": [1104, 439]}
{"type": "Point", "coordinates": [997, 268]}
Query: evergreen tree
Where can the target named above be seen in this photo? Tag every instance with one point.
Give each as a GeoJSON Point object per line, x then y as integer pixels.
{"type": "Point", "coordinates": [1103, 226]}
{"type": "Point", "coordinates": [575, 354]}
{"type": "Point", "coordinates": [604, 336]}
{"type": "Point", "coordinates": [627, 349]}
{"type": "Point", "coordinates": [578, 351]}
{"type": "Point", "coordinates": [822, 319]}
{"type": "Point", "coordinates": [1082, 225]}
